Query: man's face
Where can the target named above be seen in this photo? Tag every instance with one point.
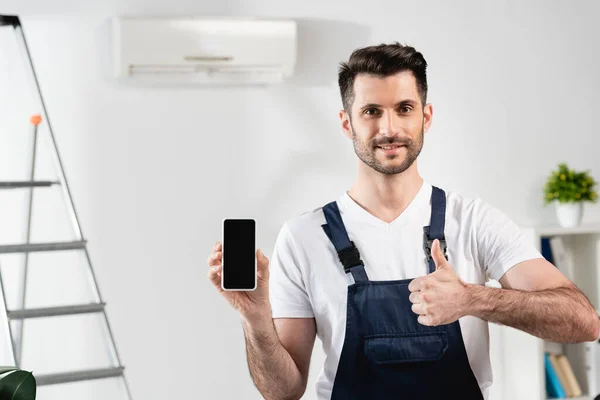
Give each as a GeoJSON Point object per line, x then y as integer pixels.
{"type": "Point", "coordinates": [387, 112]}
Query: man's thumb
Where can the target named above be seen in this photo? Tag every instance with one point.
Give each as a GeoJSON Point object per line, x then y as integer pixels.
{"type": "Point", "coordinates": [438, 255]}
{"type": "Point", "coordinates": [263, 262]}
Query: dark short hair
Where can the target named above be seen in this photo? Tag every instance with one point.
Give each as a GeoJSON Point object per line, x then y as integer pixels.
{"type": "Point", "coordinates": [381, 60]}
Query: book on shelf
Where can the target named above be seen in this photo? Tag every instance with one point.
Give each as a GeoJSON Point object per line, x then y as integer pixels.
{"type": "Point", "coordinates": [554, 388]}
{"type": "Point", "coordinates": [560, 373]}
{"type": "Point", "coordinates": [560, 379]}
{"type": "Point", "coordinates": [572, 383]}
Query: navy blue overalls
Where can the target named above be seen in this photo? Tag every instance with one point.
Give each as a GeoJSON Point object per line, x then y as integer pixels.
{"type": "Point", "coordinates": [387, 353]}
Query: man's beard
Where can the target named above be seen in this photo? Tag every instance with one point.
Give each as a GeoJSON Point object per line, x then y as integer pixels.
{"type": "Point", "coordinates": [367, 154]}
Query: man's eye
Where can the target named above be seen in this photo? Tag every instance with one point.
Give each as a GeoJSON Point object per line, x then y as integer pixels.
{"type": "Point", "coordinates": [405, 109]}
{"type": "Point", "coordinates": [371, 111]}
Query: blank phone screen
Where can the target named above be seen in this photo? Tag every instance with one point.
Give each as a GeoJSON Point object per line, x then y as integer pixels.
{"type": "Point", "coordinates": [239, 253]}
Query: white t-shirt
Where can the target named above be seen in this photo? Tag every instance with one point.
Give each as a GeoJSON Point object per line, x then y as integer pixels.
{"type": "Point", "coordinates": [307, 279]}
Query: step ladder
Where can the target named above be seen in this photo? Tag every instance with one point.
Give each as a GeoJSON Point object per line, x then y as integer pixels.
{"type": "Point", "coordinates": [22, 314]}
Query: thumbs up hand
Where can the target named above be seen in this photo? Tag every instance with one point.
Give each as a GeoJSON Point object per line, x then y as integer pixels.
{"type": "Point", "coordinates": [441, 297]}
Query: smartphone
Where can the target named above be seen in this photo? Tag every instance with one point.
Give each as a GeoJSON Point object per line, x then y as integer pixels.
{"type": "Point", "coordinates": [238, 259]}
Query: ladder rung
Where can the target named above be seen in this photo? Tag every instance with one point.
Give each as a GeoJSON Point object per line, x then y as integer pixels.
{"type": "Point", "coordinates": [55, 311]}
{"type": "Point", "coordinates": [76, 376]}
{"type": "Point", "coordinates": [26, 184]}
{"type": "Point", "coordinates": [31, 247]}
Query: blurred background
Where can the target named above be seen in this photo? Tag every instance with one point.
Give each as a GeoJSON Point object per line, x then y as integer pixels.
{"type": "Point", "coordinates": [154, 169]}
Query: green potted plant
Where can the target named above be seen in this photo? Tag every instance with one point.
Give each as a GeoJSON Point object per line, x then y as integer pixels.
{"type": "Point", "coordinates": [16, 384]}
{"type": "Point", "coordinates": [569, 190]}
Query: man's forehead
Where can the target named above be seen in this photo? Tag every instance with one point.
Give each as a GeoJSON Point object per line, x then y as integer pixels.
{"type": "Point", "coordinates": [372, 88]}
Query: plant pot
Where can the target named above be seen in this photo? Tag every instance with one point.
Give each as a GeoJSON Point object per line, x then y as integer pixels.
{"type": "Point", "coordinates": [569, 214]}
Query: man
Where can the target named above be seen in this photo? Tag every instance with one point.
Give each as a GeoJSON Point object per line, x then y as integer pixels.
{"type": "Point", "coordinates": [391, 275]}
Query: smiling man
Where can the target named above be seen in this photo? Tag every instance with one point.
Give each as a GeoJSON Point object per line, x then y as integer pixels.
{"type": "Point", "coordinates": [372, 117]}
{"type": "Point", "coordinates": [391, 275]}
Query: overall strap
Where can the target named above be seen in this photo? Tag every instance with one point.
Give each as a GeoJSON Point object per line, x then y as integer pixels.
{"type": "Point", "coordinates": [435, 230]}
{"type": "Point", "coordinates": [347, 251]}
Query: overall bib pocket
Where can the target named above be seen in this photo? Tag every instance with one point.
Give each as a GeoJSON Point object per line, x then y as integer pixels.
{"type": "Point", "coordinates": [405, 347]}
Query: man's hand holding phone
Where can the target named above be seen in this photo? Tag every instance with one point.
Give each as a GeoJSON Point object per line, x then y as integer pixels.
{"type": "Point", "coordinates": [252, 305]}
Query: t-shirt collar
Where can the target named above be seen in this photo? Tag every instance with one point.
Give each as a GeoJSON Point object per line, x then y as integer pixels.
{"type": "Point", "coordinates": [353, 210]}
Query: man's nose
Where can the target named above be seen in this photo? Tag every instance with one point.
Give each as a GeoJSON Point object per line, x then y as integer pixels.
{"type": "Point", "coordinates": [388, 125]}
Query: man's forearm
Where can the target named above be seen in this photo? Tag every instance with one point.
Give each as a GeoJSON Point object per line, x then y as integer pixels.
{"type": "Point", "coordinates": [273, 370]}
{"type": "Point", "coordinates": [561, 314]}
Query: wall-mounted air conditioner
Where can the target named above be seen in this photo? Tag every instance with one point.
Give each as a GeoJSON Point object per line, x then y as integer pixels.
{"type": "Point", "coordinates": [203, 50]}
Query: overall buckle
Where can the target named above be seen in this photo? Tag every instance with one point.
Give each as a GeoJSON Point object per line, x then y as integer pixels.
{"type": "Point", "coordinates": [350, 257]}
{"type": "Point", "coordinates": [428, 244]}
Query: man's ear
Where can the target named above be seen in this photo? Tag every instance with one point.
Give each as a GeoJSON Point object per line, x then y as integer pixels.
{"type": "Point", "coordinates": [346, 127]}
{"type": "Point", "coordinates": [427, 116]}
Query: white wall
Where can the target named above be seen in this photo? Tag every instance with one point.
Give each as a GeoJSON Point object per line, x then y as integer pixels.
{"type": "Point", "coordinates": [154, 170]}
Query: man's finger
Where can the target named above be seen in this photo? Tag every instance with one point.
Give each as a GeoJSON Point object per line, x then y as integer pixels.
{"type": "Point", "coordinates": [214, 275]}
{"type": "Point", "coordinates": [438, 255]}
{"type": "Point", "coordinates": [215, 267]}
{"type": "Point", "coordinates": [414, 297]}
{"type": "Point", "coordinates": [418, 308]}
{"type": "Point", "coordinates": [415, 285]}
{"type": "Point", "coordinates": [214, 259]}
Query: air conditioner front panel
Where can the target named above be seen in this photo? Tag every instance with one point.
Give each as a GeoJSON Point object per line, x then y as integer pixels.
{"type": "Point", "coordinates": [189, 44]}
